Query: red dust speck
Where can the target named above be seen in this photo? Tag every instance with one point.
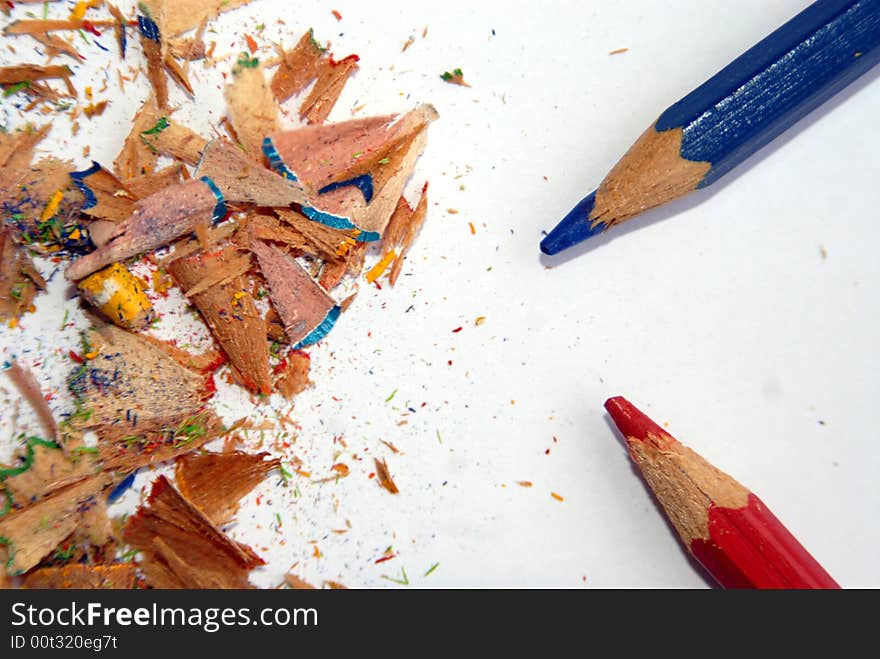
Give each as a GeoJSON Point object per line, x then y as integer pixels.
{"type": "Point", "coordinates": [336, 15]}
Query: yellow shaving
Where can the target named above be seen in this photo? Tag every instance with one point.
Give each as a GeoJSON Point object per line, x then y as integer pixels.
{"type": "Point", "coordinates": [377, 270]}
{"type": "Point", "coordinates": [52, 207]}
{"type": "Point", "coordinates": [79, 9]}
{"type": "Point", "coordinates": [344, 246]}
{"type": "Point", "coordinates": [119, 295]}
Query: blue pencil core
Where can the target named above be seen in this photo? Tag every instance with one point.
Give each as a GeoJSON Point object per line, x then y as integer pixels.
{"type": "Point", "coordinates": [276, 162]}
{"type": "Point", "coordinates": [574, 228]}
{"type": "Point", "coordinates": [337, 222]}
{"type": "Point", "coordinates": [220, 209]}
{"type": "Point", "coordinates": [148, 28]}
{"type": "Point", "coordinates": [364, 183]}
{"type": "Point", "coordinates": [322, 329]}
{"type": "Point", "coordinates": [79, 180]}
{"type": "Point", "coordinates": [121, 489]}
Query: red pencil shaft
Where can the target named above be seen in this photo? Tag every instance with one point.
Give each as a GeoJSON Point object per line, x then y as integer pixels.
{"type": "Point", "coordinates": [750, 548]}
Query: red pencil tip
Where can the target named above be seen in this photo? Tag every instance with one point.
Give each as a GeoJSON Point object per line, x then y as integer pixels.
{"type": "Point", "coordinates": [632, 423]}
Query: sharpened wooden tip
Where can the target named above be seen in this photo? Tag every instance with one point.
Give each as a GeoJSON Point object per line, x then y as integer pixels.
{"type": "Point", "coordinates": [630, 421]}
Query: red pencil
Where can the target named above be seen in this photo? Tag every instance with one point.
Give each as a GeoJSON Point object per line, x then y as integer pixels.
{"type": "Point", "coordinates": [726, 527]}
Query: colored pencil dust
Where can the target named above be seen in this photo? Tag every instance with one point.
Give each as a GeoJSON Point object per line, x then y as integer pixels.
{"type": "Point", "coordinates": [743, 107]}
{"type": "Point", "coordinates": [724, 526]}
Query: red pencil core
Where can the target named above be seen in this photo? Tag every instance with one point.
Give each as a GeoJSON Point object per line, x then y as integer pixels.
{"type": "Point", "coordinates": [631, 422]}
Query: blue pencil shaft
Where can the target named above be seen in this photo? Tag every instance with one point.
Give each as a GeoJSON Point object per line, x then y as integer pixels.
{"type": "Point", "coordinates": [740, 109]}
{"type": "Point", "coordinates": [776, 83]}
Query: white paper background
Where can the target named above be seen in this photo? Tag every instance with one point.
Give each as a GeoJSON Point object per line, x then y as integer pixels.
{"type": "Point", "coordinates": [717, 315]}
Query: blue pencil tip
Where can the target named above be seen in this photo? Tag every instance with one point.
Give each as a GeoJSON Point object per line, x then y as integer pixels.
{"type": "Point", "coordinates": [574, 228]}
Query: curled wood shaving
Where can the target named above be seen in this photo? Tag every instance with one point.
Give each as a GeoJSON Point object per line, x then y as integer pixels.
{"type": "Point", "coordinates": [267, 227]}
{"type": "Point", "coordinates": [32, 532]}
{"type": "Point", "coordinates": [115, 202]}
{"type": "Point", "coordinates": [242, 180]}
{"type": "Point", "coordinates": [78, 576]}
{"type": "Point", "coordinates": [300, 302]}
{"type": "Point", "coordinates": [332, 273]}
{"type": "Point", "coordinates": [252, 108]}
{"type": "Point", "coordinates": [298, 67]}
{"type": "Point", "coordinates": [230, 313]}
{"type": "Point", "coordinates": [19, 279]}
{"type": "Point", "coordinates": [215, 482]}
{"type": "Point", "coordinates": [188, 246]}
{"type": "Point", "coordinates": [156, 221]}
{"type": "Point", "coordinates": [328, 87]}
{"type": "Point", "coordinates": [236, 267]}
{"type": "Point", "coordinates": [143, 186]}
{"type": "Point", "coordinates": [179, 142]}
{"type": "Point", "coordinates": [181, 548]}
{"type": "Point", "coordinates": [17, 147]}
{"type": "Point", "coordinates": [321, 240]}
{"type": "Point", "coordinates": [132, 386]}
{"type": "Point", "coordinates": [123, 454]}
{"type": "Point", "coordinates": [43, 469]}
{"type": "Point", "coordinates": [402, 229]}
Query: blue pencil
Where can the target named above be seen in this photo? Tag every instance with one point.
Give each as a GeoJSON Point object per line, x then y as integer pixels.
{"type": "Point", "coordinates": [744, 106]}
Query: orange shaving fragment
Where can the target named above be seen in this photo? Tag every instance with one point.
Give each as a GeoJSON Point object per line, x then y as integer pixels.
{"type": "Point", "coordinates": [558, 497]}
{"type": "Point", "coordinates": [377, 270]}
{"type": "Point", "coordinates": [524, 483]}
{"type": "Point", "coordinates": [345, 246]}
{"type": "Point", "coordinates": [95, 109]}
{"type": "Point", "coordinates": [161, 282]}
{"type": "Point", "coordinates": [384, 475]}
{"type": "Point", "coordinates": [473, 230]}
{"type": "Point", "coordinates": [251, 42]}
{"type": "Point", "coordinates": [52, 207]}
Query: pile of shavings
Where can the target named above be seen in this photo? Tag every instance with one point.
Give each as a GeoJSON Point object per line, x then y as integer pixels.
{"type": "Point", "coordinates": [257, 229]}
